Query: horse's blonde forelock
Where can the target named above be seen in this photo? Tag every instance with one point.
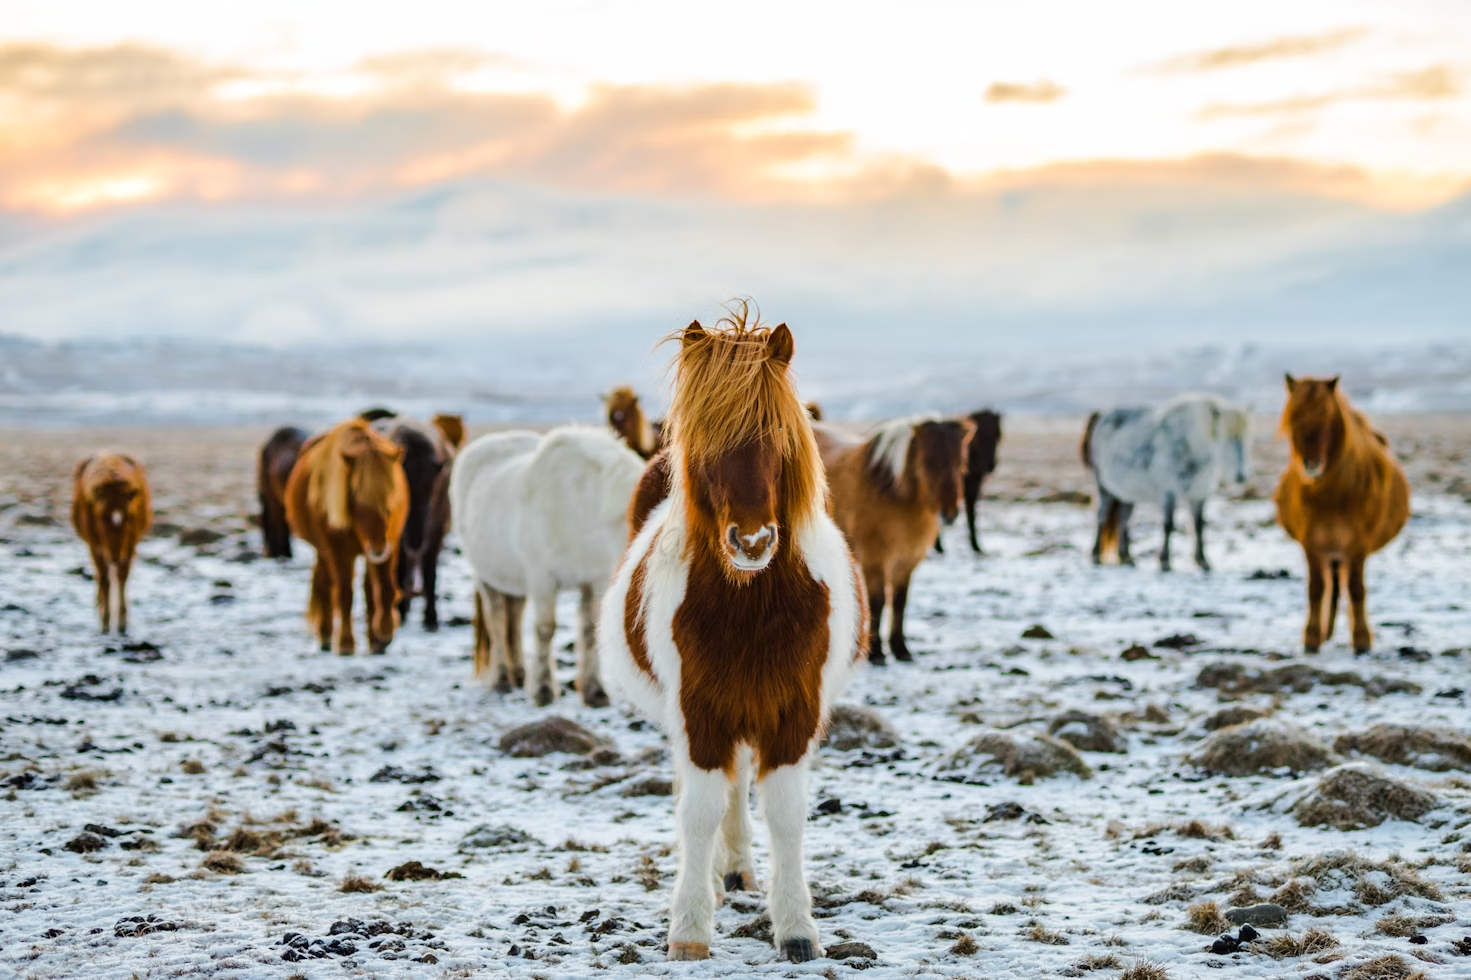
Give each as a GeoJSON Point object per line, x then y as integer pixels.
{"type": "Point", "coordinates": [369, 480]}
{"type": "Point", "coordinates": [728, 391]}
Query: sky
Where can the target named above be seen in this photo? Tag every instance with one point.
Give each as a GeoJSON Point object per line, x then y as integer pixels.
{"type": "Point", "coordinates": [255, 170]}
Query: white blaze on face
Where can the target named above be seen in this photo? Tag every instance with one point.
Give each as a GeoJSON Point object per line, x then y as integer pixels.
{"type": "Point", "coordinates": [117, 518]}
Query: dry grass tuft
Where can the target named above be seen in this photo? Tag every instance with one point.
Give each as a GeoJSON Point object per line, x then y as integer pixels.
{"type": "Point", "coordinates": [1436, 749]}
{"type": "Point", "coordinates": [82, 783]}
{"type": "Point", "coordinates": [1373, 882]}
{"type": "Point", "coordinates": [1206, 919]}
{"type": "Point", "coordinates": [1284, 945]}
{"type": "Point", "coordinates": [193, 767]}
{"type": "Point", "coordinates": [1039, 933]}
{"type": "Point", "coordinates": [1144, 970]}
{"type": "Point", "coordinates": [358, 883]}
{"type": "Point", "coordinates": [1403, 926]}
{"type": "Point", "coordinates": [1262, 745]}
{"type": "Point", "coordinates": [1389, 967]}
{"type": "Point", "coordinates": [1022, 757]}
{"type": "Point", "coordinates": [1356, 796]}
{"type": "Point", "coordinates": [1200, 830]}
{"type": "Point", "coordinates": [223, 862]}
{"type": "Point", "coordinates": [1108, 961]}
{"type": "Point", "coordinates": [965, 945]}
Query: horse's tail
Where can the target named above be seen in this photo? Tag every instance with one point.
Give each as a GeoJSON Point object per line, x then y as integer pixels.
{"type": "Point", "coordinates": [1108, 534]}
{"type": "Point", "coordinates": [1086, 449]}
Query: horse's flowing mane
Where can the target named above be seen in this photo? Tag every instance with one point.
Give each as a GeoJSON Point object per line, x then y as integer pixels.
{"type": "Point", "coordinates": [729, 391]}
{"type": "Point", "coordinates": [888, 448]}
{"type": "Point", "coordinates": [368, 479]}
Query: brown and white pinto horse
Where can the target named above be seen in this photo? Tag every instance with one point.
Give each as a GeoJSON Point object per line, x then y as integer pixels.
{"type": "Point", "coordinates": [734, 621]}
{"type": "Point", "coordinates": [112, 508]}
{"type": "Point", "coordinates": [890, 493]}
{"type": "Point", "coordinates": [1342, 497]}
{"type": "Point", "coordinates": [347, 496]}
{"type": "Point", "coordinates": [273, 468]}
{"type": "Point", "coordinates": [626, 417]}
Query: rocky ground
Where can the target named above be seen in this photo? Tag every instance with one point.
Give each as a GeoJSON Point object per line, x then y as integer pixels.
{"type": "Point", "coordinates": [1086, 772]}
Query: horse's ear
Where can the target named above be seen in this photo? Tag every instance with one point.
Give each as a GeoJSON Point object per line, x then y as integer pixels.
{"type": "Point", "coordinates": [692, 333]}
{"type": "Point", "coordinates": [780, 346]}
{"type": "Point", "coordinates": [1333, 384]}
{"type": "Point", "coordinates": [1291, 384]}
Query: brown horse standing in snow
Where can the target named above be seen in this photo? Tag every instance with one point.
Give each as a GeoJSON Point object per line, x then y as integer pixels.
{"type": "Point", "coordinates": [273, 468]}
{"type": "Point", "coordinates": [428, 452]}
{"type": "Point", "coordinates": [626, 417]}
{"type": "Point", "coordinates": [890, 493]}
{"type": "Point", "coordinates": [1342, 497]}
{"type": "Point", "coordinates": [348, 496]}
{"type": "Point", "coordinates": [112, 508]}
{"type": "Point", "coordinates": [734, 621]}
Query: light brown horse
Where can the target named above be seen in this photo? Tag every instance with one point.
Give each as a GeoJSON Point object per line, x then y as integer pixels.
{"type": "Point", "coordinates": [112, 508]}
{"type": "Point", "coordinates": [734, 621]}
{"type": "Point", "coordinates": [889, 495]}
{"type": "Point", "coordinates": [626, 417]}
{"type": "Point", "coordinates": [1342, 497]}
{"type": "Point", "coordinates": [347, 496]}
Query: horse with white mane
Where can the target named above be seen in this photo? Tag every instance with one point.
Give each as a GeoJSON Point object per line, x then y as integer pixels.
{"type": "Point", "coordinates": [734, 621]}
{"type": "Point", "coordinates": [1177, 451]}
{"type": "Point", "coordinates": [538, 514]}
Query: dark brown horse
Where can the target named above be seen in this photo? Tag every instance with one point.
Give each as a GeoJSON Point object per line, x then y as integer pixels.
{"type": "Point", "coordinates": [979, 464]}
{"type": "Point", "coordinates": [890, 493]}
{"type": "Point", "coordinates": [428, 451]}
{"type": "Point", "coordinates": [1342, 497]}
{"type": "Point", "coordinates": [347, 496]}
{"type": "Point", "coordinates": [273, 469]}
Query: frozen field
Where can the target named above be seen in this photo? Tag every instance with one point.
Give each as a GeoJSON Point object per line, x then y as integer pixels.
{"type": "Point", "coordinates": [236, 778]}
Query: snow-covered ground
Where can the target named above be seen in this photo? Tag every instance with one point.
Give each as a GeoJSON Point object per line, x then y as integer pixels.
{"type": "Point", "coordinates": [565, 863]}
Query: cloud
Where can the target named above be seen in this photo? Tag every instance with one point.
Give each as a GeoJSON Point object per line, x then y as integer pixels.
{"type": "Point", "coordinates": [1036, 92]}
{"type": "Point", "coordinates": [1429, 84]}
{"type": "Point", "coordinates": [103, 125]}
{"type": "Point", "coordinates": [1236, 56]}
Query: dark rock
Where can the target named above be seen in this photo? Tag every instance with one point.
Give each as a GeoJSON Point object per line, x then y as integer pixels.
{"type": "Point", "coordinates": [1037, 632]}
{"type": "Point", "coordinates": [830, 806]}
{"type": "Point", "coordinates": [851, 951]}
{"type": "Point", "coordinates": [503, 836]}
{"type": "Point", "coordinates": [393, 774]}
{"type": "Point", "coordinates": [1012, 810]}
{"type": "Point", "coordinates": [414, 871]}
{"type": "Point", "coordinates": [1137, 652]}
{"type": "Point", "coordinates": [86, 843]}
{"type": "Point", "coordinates": [1266, 915]}
{"type": "Point", "coordinates": [194, 537]}
{"type": "Point", "coordinates": [650, 786]}
{"type": "Point", "coordinates": [20, 653]}
{"type": "Point", "coordinates": [1179, 641]}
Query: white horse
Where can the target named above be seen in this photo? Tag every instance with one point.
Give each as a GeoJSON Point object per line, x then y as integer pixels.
{"type": "Point", "coordinates": [1180, 450]}
{"type": "Point", "coordinates": [537, 515]}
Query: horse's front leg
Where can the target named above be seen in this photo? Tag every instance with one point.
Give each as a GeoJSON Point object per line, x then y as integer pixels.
{"type": "Point", "coordinates": [101, 571]}
{"type": "Point", "coordinates": [429, 582]}
{"type": "Point", "coordinates": [698, 813]}
{"type": "Point", "coordinates": [120, 587]}
{"type": "Point", "coordinates": [1363, 636]}
{"type": "Point", "coordinates": [515, 607]}
{"type": "Point", "coordinates": [739, 872]}
{"type": "Point", "coordinates": [541, 679]}
{"type": "Point", "coordinates": [1197, 516]}
{"type": "Point", "coordinates": [1169, 513]}
{"type": "Point", "coordinates": [1126, 511]}
{"type": "Point", "coordinates": [784, 801]}
{"type": "Point", "coordinates": [1106, 505]}
{"type": "Point", "coordinates": [873, 580]}
{"type": "Point", "coordinates": [589, 678]}
{"type": "Point", "coordinates": [319, 606]}
{"type": "Point", "coordinates": [380, 588]}
{"type": "Point", "coordinates": [897, 644]}
{"type": "Point", "coordinates": [1312, 634]}
{"type": "Point", "coordinates": [972, 494]}
{"type": "Point", "coordinates": [342, 576]}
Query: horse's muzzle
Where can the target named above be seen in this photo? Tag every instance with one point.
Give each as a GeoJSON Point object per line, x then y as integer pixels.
{"type": "Point", "coordinates": [751, 552]}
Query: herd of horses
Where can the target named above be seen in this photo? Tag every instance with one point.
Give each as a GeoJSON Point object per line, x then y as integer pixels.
{"type": "Point", "coordinates": [733, 561]}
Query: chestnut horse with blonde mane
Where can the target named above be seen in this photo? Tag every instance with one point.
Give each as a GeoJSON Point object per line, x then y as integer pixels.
{"type": "Point", "coordinates": [348, 496]}
{"type": "Point", "coordinates": [734, 620]}
{"type": "Point", "coordinates": [626, 417]}
{"type": "Point", "coordinates": [1342, 497]}
{"type": "Point", "coordinates": [890, 493]}
{"type": "Point", "coordinates": [112, 508]}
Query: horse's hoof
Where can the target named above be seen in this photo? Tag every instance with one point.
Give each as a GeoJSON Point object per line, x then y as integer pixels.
{"type": "Point", "coordinates": [326, 647]}
{"type": "Point", "coordinates": [877, 658]}
{"type": "Point", "coordinates": [740, 881]}
{"type": "Point", "coordinates": [503, 686]}
{"type": "Point", "coordinates": [1164, 566]}
{"type": "Point", "coordinates": [688, 951]}
{"type": "Point", "coordinates": [1310, 648]}
{"type": "Point", "coordinates": [800, 950]}
{"type": "Point", "coordinates": [903, 655]}
{"type": "Point", "coordinates": [518, 677]}
{"type": "Point", "coordinates": [544, 696]}
{"type": "Point", "coordinates": [431, 626]}
{"type": "Point", "coordinates": [596, 698]}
